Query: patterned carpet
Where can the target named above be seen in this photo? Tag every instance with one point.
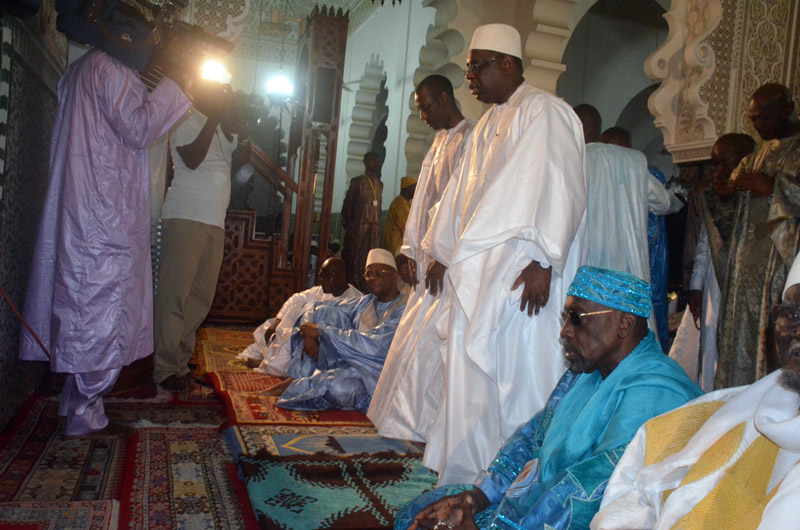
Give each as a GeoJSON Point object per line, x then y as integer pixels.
{"type": "Point", "coordinates": [84, 515]}
{"type": "Point", "coordinates": [185, 478]}
{"type": "Point", "coordinates": [38, 464]}
{"type": "Point", "coordinates": [217, 349]}
{"type": "Point", "coordinates": [333, 492]}
{"type": "Point", "coordinates": [285, 440]}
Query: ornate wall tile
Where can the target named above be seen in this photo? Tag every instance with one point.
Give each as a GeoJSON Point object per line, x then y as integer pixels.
{"type": "Point", "coordinates": [31, 108]}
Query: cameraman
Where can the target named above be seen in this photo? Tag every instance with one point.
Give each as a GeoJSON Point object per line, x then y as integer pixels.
{"type": "Point", "coordinates": [90, 290]}
{"type": "Point", "coordinates": [203, 148]}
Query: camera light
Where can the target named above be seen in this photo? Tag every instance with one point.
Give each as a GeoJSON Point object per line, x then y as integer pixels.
{"type": "Point", "coordinates": [279, 84]}
{"type": "Point", "coordinates": [215, 71]}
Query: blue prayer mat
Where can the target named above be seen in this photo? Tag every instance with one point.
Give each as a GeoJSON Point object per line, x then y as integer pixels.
{"type": "Point", "coordinates": [333, 492]}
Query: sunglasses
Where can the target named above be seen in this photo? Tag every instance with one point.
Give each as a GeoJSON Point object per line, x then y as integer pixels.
{"type": "Point", "coordinates": [575, 317]}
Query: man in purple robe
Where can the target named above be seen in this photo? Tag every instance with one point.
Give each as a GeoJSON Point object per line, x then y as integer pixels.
{"type": "Point", "coordinates": [90, 292]}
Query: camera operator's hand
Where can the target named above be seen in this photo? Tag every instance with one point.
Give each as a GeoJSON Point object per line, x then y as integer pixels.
{"type": "Point", "coordinates": [212, 98]}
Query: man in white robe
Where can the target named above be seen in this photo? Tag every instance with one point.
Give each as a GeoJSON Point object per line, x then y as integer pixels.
{"type": "Point", "coordinates": [511, 236]}
{"type": "Point", "coordinates": [270, 353]}
{"type": "Point", "coordinates": [726, 460]}
{"type": "Point", "coordinates": [621, 191]}
{"type": "Point", "coordinates": [410, 388]}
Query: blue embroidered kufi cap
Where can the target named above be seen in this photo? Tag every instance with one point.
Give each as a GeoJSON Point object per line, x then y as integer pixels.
{"type": "Point", "coordinates": [612, 288]}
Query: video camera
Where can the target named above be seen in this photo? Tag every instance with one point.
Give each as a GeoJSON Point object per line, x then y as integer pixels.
{"type": "Point", "coordinates": [136, 32]}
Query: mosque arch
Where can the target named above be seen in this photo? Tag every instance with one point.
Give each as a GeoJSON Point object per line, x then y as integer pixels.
{"type": "Point", "coordinates": [441, 43]}
{"type": "Point", "coordinates": [683, 64]}
{"type": "Point", "coordinates": [371, 93]}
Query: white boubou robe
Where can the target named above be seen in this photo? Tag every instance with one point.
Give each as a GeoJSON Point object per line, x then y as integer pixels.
{"type": "Point", "coordinates": [411, 384]}
{"type": "Point", "coordinates": [696, 349]}
{"type": "Point", "coordinates": [672, 488]}
{"type": "Point", "coordinates": [275, 353]}
{"type": "Point", "coordinates": [520, 196]}
{"type": "Point", "coordinates": [621, 191]}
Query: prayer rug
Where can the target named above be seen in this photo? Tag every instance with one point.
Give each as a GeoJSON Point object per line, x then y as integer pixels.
{"type": "Point", "coordinates": [251, 408]}
{"type": "Point", "coordinates": [84, 515]}
{"type": "Point", "coordinates": [333, 492]}
{"type": "Point", "coordinates": [283, 440]}
{"type": "Point", "coordinates": [244, 381]}
{"type": "Point", "coordinates": [134, 413]}
{"type": "Point", "coordinates": [217, 349]}
{"type": "Point", "coordinates": [185, 478]}
{"type": "Point", "coordinates": [38, 464]}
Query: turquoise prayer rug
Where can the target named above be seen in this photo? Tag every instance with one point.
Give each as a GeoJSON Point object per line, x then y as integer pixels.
{"type": "Point", "coordinates": [354, 492]}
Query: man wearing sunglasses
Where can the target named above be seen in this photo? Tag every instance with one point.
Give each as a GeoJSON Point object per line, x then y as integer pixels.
{"type": "Point", "coordinates": [509, 230]}
{"type": "Point", "coordinates": [552, 472]}
{"type": "Point", "coordinates": [730, 457]}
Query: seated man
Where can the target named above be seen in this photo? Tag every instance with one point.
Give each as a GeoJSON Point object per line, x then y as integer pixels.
{"type": "Point", "coordinates": [270, 352]}
{"type": "Point", "coordinates": [553, 470]}
{"type": "Point", "coordinates": [338, 354]}
{"type": "Point", "coordinates": [727, 460]}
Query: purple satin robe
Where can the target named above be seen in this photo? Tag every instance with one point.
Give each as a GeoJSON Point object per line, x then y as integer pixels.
{"type": "Point", "coordinates": [89, 296]}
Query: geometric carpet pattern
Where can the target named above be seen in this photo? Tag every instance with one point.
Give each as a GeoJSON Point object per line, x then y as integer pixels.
{"type": "Point", "coordinates": [333, 492]}
{"type": "Point", "coordinates": [283, 440]}
{"type": "Point", "coordinates": [38, 464]}
{"type": "Point", "coordinates": [185, 478]}
{"type": "Point", "coordinates": [83, 515]}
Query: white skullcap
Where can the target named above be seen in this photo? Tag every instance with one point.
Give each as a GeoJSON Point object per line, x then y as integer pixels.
{"type": "Point", "coordinates": [497, 38]}
{"type": "Point", "coordinates": [794, 275]}
{"type": "Point", "coordinates": [379, 256]}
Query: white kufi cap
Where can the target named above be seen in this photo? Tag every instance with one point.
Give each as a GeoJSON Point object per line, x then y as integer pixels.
{"type": "Point", "coordinates": [794, 275]}
{"type": "Point", "coordinates": [497, 38]}
{"type": "Point", "coordinates": [379, 256]}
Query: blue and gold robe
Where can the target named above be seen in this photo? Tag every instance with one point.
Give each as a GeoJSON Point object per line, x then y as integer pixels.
{"type": "Point", "coordinates": [552, 472]}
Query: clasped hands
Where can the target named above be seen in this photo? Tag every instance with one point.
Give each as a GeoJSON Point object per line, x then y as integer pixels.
{"type": "Point", "coordinates": [310, 335]}
{"type": "Point", "coordinates": [758, 183]}
{"type": "Point", "coordinates": [454, 511]}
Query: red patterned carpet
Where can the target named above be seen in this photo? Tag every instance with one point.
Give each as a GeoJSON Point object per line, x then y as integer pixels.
{"type": "Point", "coordinates": [176, 471]}
{"type": "Point", "coordinates": [185, 478]}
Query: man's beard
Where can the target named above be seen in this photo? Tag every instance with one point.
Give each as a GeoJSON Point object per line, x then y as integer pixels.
{"type": "Point", "coordinates": [790, 380]}
{"type": "Point", "coordinates": [580, 366]}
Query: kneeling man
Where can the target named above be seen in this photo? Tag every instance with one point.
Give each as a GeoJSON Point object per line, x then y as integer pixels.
{"type": "Point", "coordinates": [553, 470]}
{"type": "Point", "coordinates": [727, 460]}
{"type": "Point", "coordinates": [338, 354]}
{"type": "Point", "coordinates": [270, 351]}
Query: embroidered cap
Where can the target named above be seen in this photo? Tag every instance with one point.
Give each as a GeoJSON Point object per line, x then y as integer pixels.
{"type": "Point", "coordinates": [497, 38]}
{"type": "Point", "coordinates": [380, 256]}
{"type": "Point", "coordinates": [612, 288]}
{"type": "Point", "coordinates": [794, 275]}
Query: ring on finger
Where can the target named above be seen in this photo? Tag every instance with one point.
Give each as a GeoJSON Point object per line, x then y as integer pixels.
{"type": "Point", "coordinates": [443, 524]}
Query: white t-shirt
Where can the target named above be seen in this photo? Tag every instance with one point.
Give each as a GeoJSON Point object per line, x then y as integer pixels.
{"type": "Point", "coordinates": [201, 194]}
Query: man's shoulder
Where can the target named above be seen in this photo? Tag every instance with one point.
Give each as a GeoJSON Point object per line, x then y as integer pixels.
{"type": "Point", "coordinates": [530, 96]}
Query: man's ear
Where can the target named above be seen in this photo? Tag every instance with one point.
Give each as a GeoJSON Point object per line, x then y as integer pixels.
{"type": "Point", "coordinates": [507, 64]}
{"type": "Point", "coordinates": [627, 324]}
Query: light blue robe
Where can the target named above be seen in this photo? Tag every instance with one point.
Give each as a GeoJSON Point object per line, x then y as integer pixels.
{"type": "Point", "coordinates": [354, 338]}
{"type": "Point", "coordinates": [554, 469]}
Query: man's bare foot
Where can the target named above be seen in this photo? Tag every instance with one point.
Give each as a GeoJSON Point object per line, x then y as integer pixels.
{"type": "Point", "coordinates": [253, 363]}
{"type": "Point", "coordinates": [110, 432]}
{"type": "Point", "coordinates": [278, 389]}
